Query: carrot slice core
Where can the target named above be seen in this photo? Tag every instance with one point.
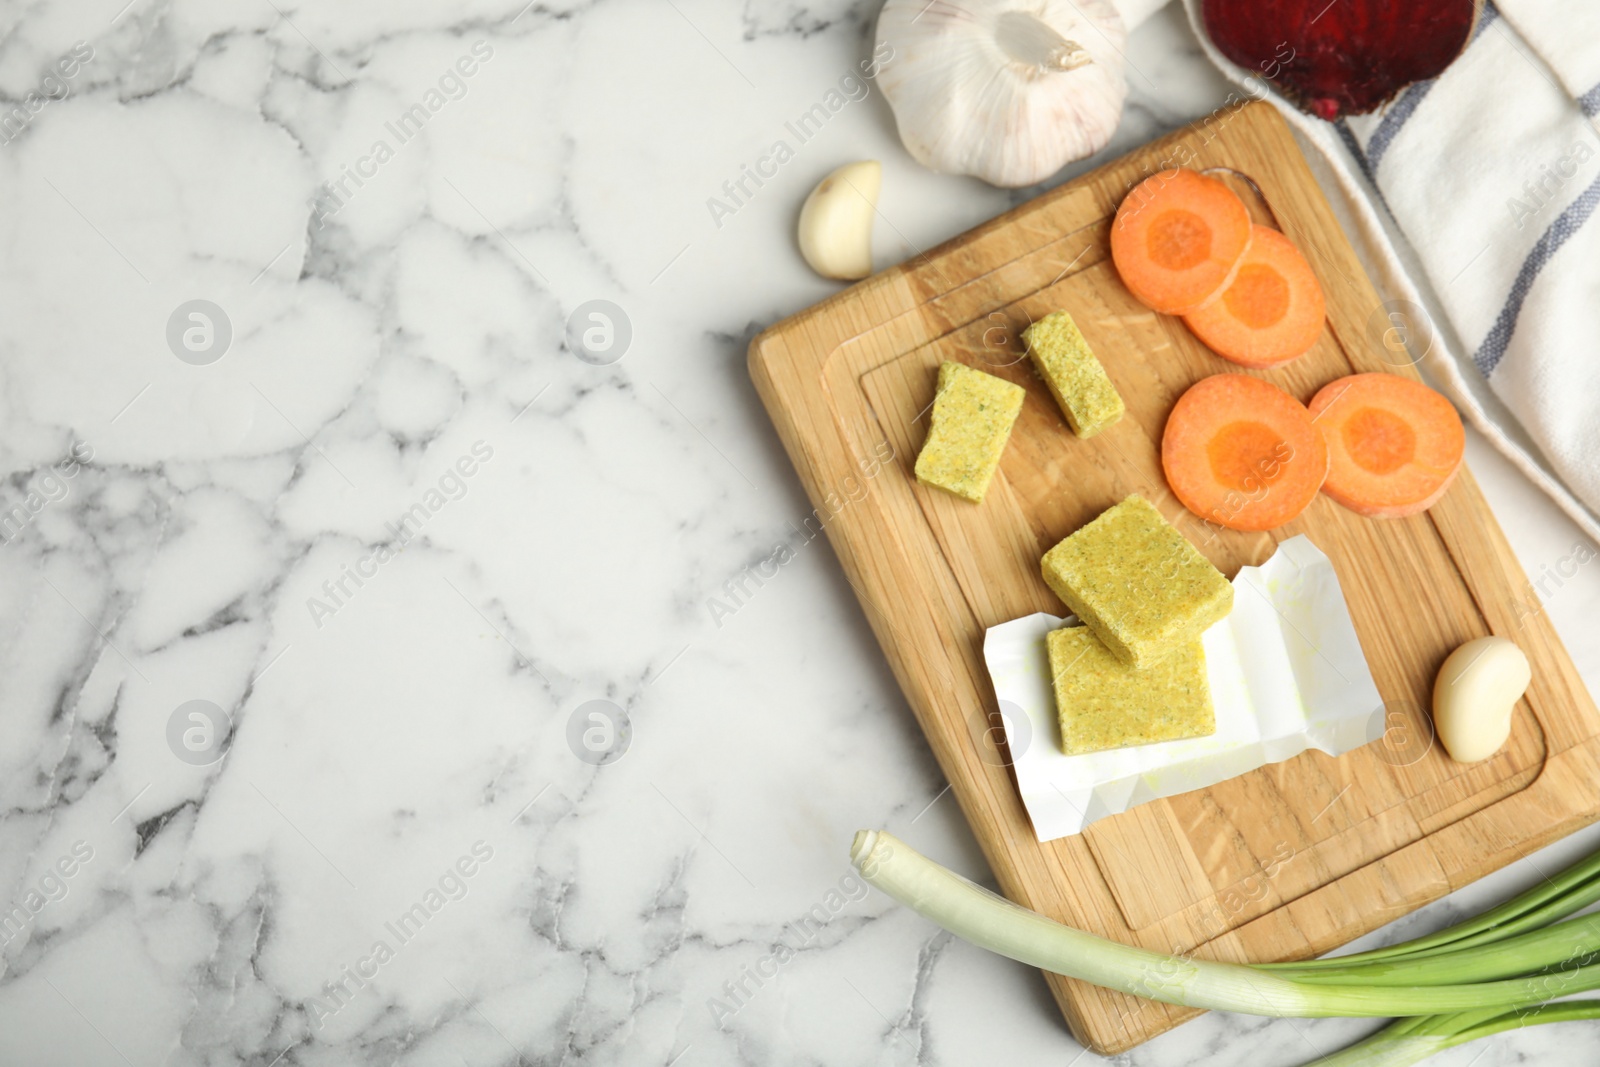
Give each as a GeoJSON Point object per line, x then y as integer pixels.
{"type": "Point", "coordinates": [1379, 441]}
{"type": "Point", "coordinates": [1394, 444]}
{"type": "Point", "coordinates": [1271, 313]}
{"type": "Point", "coordinates": [1242, 453]}
{"type": "Point", "coordinates": [1177, 240]}
{"type": "Point", "coordinates": [1258, 297]}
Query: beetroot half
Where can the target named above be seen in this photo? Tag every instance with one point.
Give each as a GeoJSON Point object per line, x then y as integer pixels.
{"type": "Point", "coordinates": [1341, 57]}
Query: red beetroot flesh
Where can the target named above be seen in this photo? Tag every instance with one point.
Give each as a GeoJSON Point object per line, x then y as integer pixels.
{"type": "Point", "coordinates": [1344, 57]}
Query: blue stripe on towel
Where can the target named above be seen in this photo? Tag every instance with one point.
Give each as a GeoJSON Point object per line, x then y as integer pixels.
{"type": "Point", "coordinates": [1566, 224]}
{"type": "Point", "coordinates": [1590, 102]}
{"type": "Point", "coordinates": [1342, 128]}
{"type": "Point", "coordinates": [1397, 116]}
{"type": "Point", "coordinates": [1394, 119]}
{"type": "Point", "coordinates": [1490, 13]}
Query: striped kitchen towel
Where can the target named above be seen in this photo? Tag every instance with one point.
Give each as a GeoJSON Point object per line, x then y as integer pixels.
{"type": "Point", "coordinates": [1472, 199]}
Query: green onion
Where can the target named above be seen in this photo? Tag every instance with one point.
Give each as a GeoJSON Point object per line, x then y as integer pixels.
{"type": "Point", "coordinates": [1492, 973]}
{"type": "Point", "coordinates": [1568, 944]}
{"type": "Point", "coordinates": [1554, 898]}
{"type": "Point", "coordinates": [1447, 984]}
{"type": "Point", "coordinates": [1414, 1040]}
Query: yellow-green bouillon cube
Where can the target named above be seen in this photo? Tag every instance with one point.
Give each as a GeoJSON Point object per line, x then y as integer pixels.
{"type": "Point", "coordinates": [1076, 379]}
{"type": "Point", "coordinates": [1137, 582]}
{"type": "Point", "coordinates": [1104, 703]}
{"type": "Point", "coordinates": [967, 430]}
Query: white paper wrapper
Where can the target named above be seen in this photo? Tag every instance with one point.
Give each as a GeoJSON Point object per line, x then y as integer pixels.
{"type": "Point", "coordinates": [1286, 671]}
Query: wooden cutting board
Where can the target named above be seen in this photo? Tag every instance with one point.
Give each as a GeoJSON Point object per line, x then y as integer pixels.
{"type": "Point", "coordinates": [1290, 860]}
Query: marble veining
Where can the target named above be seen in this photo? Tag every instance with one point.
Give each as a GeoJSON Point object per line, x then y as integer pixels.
{"type": "Point", "coordinates": [375, 449]}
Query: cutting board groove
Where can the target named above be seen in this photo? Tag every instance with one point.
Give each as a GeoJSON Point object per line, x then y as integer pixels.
{"type": "Point", "coordinates": [1290, 860]}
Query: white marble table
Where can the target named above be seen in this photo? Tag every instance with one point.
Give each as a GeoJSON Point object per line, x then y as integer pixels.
{"type": "Point", "coordinates": [309, 598]}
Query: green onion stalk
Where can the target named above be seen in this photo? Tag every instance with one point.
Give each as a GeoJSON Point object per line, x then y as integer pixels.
{"type": "Point", "coordinates": [1413, 1040]}
{"type": "Point", "coordinates": [1492, 973]}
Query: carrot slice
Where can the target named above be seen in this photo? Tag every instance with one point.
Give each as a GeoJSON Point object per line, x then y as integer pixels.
{"type": "Point", "coordinates": [1272, 311]}
{"type": "Point", "coordinates": [1177, 240]}
{"type": "Point", "coordinates": [1394, 445]}
{"type": "Point", "coordinates": [1242, 453]}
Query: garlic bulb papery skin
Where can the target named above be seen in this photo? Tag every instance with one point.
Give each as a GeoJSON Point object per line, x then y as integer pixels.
{"type": "Point", "coordinates": [1009, 91]}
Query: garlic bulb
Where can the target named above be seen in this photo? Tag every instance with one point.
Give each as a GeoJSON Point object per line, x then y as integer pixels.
{"type": "Point", "coordinates": [1009, 91]}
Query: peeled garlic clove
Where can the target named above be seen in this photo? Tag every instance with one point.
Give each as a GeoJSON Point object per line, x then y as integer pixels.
{"type": "Point", "coordinates": [1473, 697]}
{"type": "Point", "coordinates": [1009, 91]}
{"type": "Point", "coordinates": [836, 221]}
